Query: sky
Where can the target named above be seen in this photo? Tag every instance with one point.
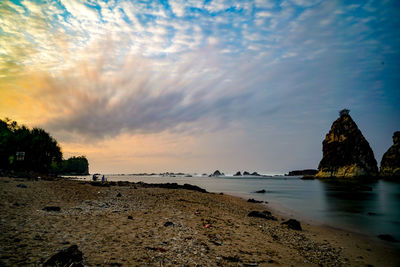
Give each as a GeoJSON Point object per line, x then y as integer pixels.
{"type": "Point", "coordinates": [195, 86]}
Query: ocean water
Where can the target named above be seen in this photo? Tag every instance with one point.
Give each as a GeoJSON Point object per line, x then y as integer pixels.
{"type": "Point", "coordinates": [370, 208]}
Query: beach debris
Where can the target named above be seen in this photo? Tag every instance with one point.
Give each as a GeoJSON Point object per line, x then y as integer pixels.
{"type": "Point", "coordinates": [22, 186]}
{"type": "Point", "coordinates": [207, 226]}
{"type": "Point", "coordinates": [70, 256]}
{"type": "Point", "coordinates": [119, 195]}
{"type": "Point", "coordinates": [388, 238]}
{"type": "Point", "coordinates": [264, 214]}
{"type": "Point", "coordinates": [130, 217]}
{"type": "Point", "coordinates": [115, 264]}
{"type": "Point", "coordinates": [52, 208]}
{"type": "Point", "coordinates": [157, 249]}
{"type": "Point", "coordinates": [217, 243]}
{"type": "Point", "coordinates": [252, 200]}
{"type": "Point", "coordinates": [262, 191]}
{"type": "Point", "coordinates": [251, 264]}
{"type": "Point", "coordinates": [231, 259]}
{"type": "Point", "coordinates": [168, 224]}
{"type": "Point", "coordinates": [293, 224]}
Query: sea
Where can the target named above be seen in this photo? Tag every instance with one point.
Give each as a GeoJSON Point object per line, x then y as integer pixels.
{"type": "Point", "coordinates": [371, 208]}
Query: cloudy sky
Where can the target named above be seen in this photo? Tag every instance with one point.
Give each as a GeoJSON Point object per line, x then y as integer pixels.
{"type": "Point", "coordinates": [200, 85]}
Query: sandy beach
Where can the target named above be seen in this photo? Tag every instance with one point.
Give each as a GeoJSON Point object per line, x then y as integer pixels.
{"type": "Point", "coordinates": [130, 224]}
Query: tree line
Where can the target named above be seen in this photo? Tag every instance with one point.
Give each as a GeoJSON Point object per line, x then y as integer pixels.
{"type": "Point", "coordinates": [25, 150]}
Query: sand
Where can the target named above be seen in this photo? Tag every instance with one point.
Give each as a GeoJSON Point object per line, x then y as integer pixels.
{"type": "Point", "coordinates": [133, 225]}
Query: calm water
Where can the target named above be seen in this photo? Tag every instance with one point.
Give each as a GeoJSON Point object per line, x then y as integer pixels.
{"type": "Point", "coordinates": [372, 208]}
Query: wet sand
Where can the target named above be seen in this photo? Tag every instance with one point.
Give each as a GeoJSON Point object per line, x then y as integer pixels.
{"type": "Point", "coordinates": [134, 225]}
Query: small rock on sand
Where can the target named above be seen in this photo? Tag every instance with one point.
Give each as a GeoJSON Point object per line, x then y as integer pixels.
{"type": "Point", "coordinates": [293, 224]}
{"type": "Point", "coordinates": [52, 208]}
{"type": "Point", "coordinates": [70, 256]}
{"type": "Point", "coordinates": [387, 237]}
{"type": "Point", "coordinates": [265, 215]}
{"type": "Point", "coordinates": [168, 224]}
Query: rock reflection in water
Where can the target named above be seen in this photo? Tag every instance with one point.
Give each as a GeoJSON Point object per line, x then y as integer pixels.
{"type": "Point", "coordinates": [349, 196]}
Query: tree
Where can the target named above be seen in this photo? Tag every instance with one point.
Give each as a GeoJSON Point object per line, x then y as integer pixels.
{"type": "Point", "coordinates": [75, 166]}
{"type": "Point", "coordinates": [40, 151]}
{"type": "Point", "coordinates": [344, 112]}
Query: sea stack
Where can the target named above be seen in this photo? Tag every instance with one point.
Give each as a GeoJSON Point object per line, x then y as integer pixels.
{"type": "Point", "coordinates": [346, 153]}
{"type": "Point", "coordinates": [390, 164]}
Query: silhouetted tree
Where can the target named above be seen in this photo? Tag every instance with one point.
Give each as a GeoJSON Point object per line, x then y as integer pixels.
{"type": "Point", "coordinates": [75, 165]}
{"type": "Point", "coordinates": [41, 151]}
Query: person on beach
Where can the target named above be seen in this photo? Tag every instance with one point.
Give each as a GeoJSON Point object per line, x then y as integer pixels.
{"type": "Point", "coordinates": [102, 178]}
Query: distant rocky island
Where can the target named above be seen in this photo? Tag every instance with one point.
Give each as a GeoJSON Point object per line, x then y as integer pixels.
{"type": "Point", "coordinates": [302, 172]}
{"type": "Point", "coordinates": [347, 154]}
{"type": "Point", "coordinates": [238, 173]}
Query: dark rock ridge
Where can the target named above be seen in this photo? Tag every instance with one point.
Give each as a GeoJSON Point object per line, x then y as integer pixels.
{"type": "Point", "coordinates": [346, 153]}
{"type": "Point", "coordinates": [175, 186]}
{"type": "Point", "coordinates": [252, 200]}
{"type": "Point", "coordinates": [390, 163]}
{"type": "Point", "coordinates": [303, 172]}
{"type": "Point", "coordinates": [262, 191]}
{"type": "Point", "coordinates": [387, 237]}
{"type": "Point", "coordinates": [246, 173]}
{"type": "Point", "coordinates": [238, 174]}
{"type": "Point", "coordinates": [146, 185]}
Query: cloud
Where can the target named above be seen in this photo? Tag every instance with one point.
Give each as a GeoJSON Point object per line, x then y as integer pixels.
{"type": "Point", "coordinates": [80, 11]}
{"type": "Point", "coordinates": [123, 67]}
{"type": "Point", "coordinates": [265, 3]}
{"type": "Point", "coordinates": [178, 7]}
{"type": "Point", "coordinates": [306, 3]}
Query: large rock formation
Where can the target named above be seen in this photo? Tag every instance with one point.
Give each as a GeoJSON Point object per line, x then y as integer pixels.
{"type": "Point", "coordinates": [346, 153]}
{"type": "Point", "coordinates": [390, 164]}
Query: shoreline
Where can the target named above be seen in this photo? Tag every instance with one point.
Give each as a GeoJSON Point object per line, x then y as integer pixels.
{"type": "Point", "coordinates": [125, 224]}
{"type": "Point", "coordinates": [283, 211]}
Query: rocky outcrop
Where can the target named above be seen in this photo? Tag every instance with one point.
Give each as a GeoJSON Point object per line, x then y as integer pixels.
{"type": "Point", "coordinates": [346, 153]}
{"type": "Point", "coordinates": [216, 173]}
{"type": "Point", "coordinates": [238, 174]}
{"type": "Point", "coordinates": [390, 164]}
